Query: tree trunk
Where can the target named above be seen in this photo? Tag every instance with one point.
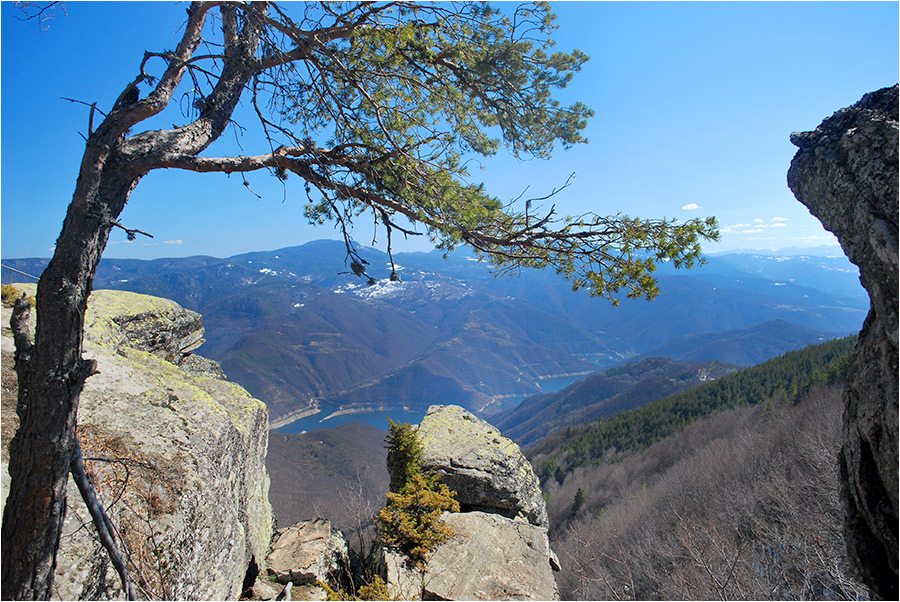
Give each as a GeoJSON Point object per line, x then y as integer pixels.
{"type": "Point", "coordinates": [51, 371]}
{"type": "Point", "coordinates": [51, 378]}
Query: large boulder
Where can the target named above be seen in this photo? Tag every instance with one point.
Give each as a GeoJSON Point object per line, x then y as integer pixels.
{"type": "Point", "coordinates": [499, 549]}
{"type": "Point", "coordinates": [307, 552]}
{"type": "Point", "coordinates": [491, 558]}
{"type": "Point", "coordinates": [152, 324]}
{"type": "Point", "coordinates": [846, 173]}
{"type": "Point", "coordinates": [177, 458]}
{"type": "Point", "coordinates": [487, 470]}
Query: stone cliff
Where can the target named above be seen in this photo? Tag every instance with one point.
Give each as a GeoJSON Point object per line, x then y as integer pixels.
{"type": "Point", "coordinates": [846, 173]}
{"type": "Point", "coordinates": [176, 453]}
{"type": "Point", "coordinates": [500, 549]}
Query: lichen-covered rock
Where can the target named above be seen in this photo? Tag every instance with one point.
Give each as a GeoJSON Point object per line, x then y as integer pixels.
{"type": "Point", "coordinates": [151, 324]}
{"type": "Point", "coordinates": [179, 461]}
{"type": "Point", "coordinates": [487, 470]}
{"type": "Point", "coordinates": [489, 557]}
{"type": "Point", "coordinates": [307, 552]}
{"type": "Point", "coordinates": [846, 173]}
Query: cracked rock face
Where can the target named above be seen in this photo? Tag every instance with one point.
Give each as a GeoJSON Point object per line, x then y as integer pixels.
{"type": "Point", "coordinates": [489, 558]}
{"type": "Point", "coordinates": [177, 457]}
{"type": "Point", "coordinates": [150, 324]}
{"type": "Point", "coordinates": [308, 552]}
{"type": "Point", "coordinates": [846, 173]}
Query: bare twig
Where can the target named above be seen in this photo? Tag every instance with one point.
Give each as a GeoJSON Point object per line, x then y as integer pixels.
{"type": "Point", "coordinates": [131, 233]}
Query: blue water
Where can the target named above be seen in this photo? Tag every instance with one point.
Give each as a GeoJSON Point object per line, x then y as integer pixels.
{"type": "Point", "coordinates": [558, 383]}
{"type": "Point", "coordinates": [378, 419]}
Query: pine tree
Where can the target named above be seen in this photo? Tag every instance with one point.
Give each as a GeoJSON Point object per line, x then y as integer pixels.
{"type": "Point", "coordinates": [411, 520]}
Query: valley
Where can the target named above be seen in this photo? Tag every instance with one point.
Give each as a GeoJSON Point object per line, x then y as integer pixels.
{"type": "Point", "coordinates": [311, 340]}
{"type": "Point", "coordinates": [553, 370]}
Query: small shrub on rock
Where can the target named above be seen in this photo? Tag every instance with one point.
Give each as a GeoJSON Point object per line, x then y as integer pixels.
{"type": "Point", "coordinates": [411, 520]}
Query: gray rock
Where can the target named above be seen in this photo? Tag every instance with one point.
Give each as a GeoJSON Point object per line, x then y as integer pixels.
{"type": "Point", "coordinates": [500, 549]}
{"type": "Point", "coordinates": [310, 593]}
{"type": "Point", "coordinates": [846, 173]}
{"type": "Point", "coordinates": [489, 558]}
{"type": "Point", "coordinates": [487, 470]}
{"type": "Point", "coordinates": [179, 461]}
{"type": "Point", "coordinates": [404, 582]}
{"type": "Point", "coordinates": [196, 365]}
{"type": "Point", "coordinates": [263, 589]}
{"type": "Point", "coordinates": [150, 324]}
{"type": "Point", "coordinates": [307, 552]}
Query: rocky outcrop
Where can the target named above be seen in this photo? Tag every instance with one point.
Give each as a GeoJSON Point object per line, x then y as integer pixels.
{"type": "Point", "coordinates": [177, 458]}
{"type": "Point", "coordinates": [846, 173]}
{"type": "Point", "coordinates": [491, 558]}
{"type": "Point", "coordinates": [499, 550]}
{"type": "Point", "coordinates": [307, 552]}
{"type": "Point", "coordinates": [487, 470]}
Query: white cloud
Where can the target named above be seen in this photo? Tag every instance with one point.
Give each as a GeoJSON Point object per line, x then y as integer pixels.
{"type": "Point", "coordinates": [780, 225]}
{"type": "Point", "coordinates": [754, 231]}
{"type": "Point", "coordinates": [173, 242]}
{"type": "Point", "coordinates": [822, 239]}
{"type": "Point", "coordinates": [690, 206]}
{"type": "Point", "coordinates": [758, 221]}
{"type": "Point", "coordinates": [740, 226]}
{"type": "Point", "coordinates": [780, 219]}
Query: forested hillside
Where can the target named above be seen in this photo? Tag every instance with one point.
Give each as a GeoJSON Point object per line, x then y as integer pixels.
{"type": "Point", "coordinates": [742, 505]}
{"type": "Point", "coordinates": [604, 394]}
{"type": "Point", "coordinates": [627, 432]}
{"type": "Point", "coordinates": [728, 490]}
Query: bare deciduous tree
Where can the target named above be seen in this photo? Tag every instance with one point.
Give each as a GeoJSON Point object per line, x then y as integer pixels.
{"type": "Point", "coordinates": [745, 507]}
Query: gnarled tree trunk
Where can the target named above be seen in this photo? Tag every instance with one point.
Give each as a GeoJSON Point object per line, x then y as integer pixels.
{"type": "Point", "coordinates": [51, 378]}
{"type": "Point", "coordinates": [52, 371]}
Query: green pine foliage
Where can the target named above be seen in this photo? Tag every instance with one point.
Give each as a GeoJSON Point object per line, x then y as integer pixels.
{"type": "Point", "coordinates": [790, 374]}
{"type": "Point", "coordinates": [578, 501]}
{"type": "Point", "coordinates": [411, 520]}
{"type": "Point", "coordinates": [405, 453]}
{"type": "Point", "coordinates": [409, 93]}
{"type": "Point", "coordinates": [377, 589]}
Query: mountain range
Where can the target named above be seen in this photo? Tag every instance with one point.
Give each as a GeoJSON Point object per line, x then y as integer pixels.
{"type": "Point", "coordinates": [302, 333]}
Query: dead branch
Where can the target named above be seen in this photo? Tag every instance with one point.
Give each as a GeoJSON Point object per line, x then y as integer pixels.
{"type": "Point", "coordinates": [102, 522]}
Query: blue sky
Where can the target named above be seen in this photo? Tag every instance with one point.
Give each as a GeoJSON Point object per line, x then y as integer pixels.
{"type": "Point", "coordinates": [694, 106]}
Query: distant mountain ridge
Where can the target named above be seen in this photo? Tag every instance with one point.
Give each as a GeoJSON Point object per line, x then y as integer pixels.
{"type": "Point", "coordinates": [604, 394]}
{"type": "Point", "coordinates": [299, 332]}
{"type": "Point", "coordinates": [742, 347]}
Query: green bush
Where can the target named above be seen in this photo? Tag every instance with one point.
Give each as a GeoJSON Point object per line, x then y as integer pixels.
{"type": "Point", "coordinates": [376, 590]}
{"type": "Point", "coordinates": [411, 521]}
{"type": "Point", "coordinates": [404, 453]}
